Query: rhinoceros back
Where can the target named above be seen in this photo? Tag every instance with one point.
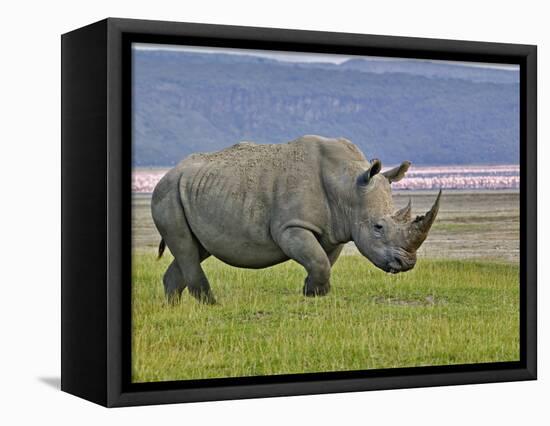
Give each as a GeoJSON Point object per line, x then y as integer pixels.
{"type": "Point", "coordinates": [233, 198]}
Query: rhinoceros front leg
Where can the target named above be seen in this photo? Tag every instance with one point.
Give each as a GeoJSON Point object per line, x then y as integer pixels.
{"type": "Point", "coordinates": [301, 245]}
{"type": "Point", "coordinates": [334, 254]}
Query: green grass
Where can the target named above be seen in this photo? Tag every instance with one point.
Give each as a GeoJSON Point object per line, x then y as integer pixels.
{"type": "Point", "coordinates": [442, 312]}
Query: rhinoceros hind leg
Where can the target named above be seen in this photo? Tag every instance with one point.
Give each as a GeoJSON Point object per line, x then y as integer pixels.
{"type": "Point", "coordinates": [302, 246]}
{"type": "Point", "coordinates": [188, 257]}
{"type": "Point", "coordinates": [173, 282]}
{"type": "Point", "coordinates": [188, 252]}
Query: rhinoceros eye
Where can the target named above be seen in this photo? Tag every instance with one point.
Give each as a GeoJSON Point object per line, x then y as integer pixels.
{"type": "Point", "coordinates": [378, 227]}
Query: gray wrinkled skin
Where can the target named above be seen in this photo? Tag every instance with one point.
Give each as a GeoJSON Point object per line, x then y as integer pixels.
{"type": "Point", "coordinates": [254, 206]}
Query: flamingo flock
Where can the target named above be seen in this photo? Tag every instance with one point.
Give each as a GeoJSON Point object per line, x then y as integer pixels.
{"type": "Point", "coordinates": [417, 178]}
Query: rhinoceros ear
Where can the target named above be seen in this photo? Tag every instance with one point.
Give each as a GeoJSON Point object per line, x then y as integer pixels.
{"type": "Point", "coordinates": [375, 167]}
{"type": "Point", "coordinates": [397, 173]}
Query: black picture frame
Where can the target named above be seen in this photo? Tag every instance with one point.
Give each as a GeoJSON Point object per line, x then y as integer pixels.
{"type": "Point", "coordinates": [96, 209]}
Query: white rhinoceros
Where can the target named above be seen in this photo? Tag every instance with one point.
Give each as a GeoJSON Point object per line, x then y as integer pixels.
{"type": "Point", "coordinates": [254, 206]}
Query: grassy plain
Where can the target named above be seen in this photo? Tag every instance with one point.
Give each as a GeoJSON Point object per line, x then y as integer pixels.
{"type": "Point", "coordinates": [460, 304]}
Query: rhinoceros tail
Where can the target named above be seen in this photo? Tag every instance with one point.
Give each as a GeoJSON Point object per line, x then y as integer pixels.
{"type": "Point", "coordinates": [162, 246]}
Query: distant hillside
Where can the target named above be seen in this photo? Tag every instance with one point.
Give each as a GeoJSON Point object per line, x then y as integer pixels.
{"type": "Point", "coordinates": [442, 70]}
{"type": "Point", "coordinates": [426, 112]}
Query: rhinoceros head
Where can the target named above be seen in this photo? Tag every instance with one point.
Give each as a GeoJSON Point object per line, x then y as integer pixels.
{"type": "Point", "coordinates": [387, 237]}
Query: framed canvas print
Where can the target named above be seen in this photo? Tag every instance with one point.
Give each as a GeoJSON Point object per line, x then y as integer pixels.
{"type": "Point", "coordinates": [253, 212]}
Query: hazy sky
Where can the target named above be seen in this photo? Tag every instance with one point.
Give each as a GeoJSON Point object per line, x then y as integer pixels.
{"type": "Point", "coordinates": [302, 56]}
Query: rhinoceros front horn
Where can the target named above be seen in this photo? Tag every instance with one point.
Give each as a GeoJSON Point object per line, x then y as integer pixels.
{"type": "Point", "coordinates": [420, 226]}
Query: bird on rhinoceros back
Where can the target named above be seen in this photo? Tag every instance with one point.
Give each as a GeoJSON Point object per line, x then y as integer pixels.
{"type": "Point", "coordinates": [255, 205]}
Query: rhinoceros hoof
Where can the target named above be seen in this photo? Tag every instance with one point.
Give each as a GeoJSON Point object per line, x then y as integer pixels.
{"type": "Point", "coordinates": [173, 298]}
{"type": "Point", "coordinates": [319, 290]}
{"type": "Point", "coordinates": [204, 297]}
{"type": "Point", "coordinates": [208, 299]}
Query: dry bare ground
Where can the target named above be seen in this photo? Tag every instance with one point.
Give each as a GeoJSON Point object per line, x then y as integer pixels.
{"type": "Point", "coordinates": [470, 224]}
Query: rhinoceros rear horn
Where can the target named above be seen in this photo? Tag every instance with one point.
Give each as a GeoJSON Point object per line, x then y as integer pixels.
{"type": "Point", "coordinates": [420, 227]}
{"type": "Point", "coordinates": [404, 214]}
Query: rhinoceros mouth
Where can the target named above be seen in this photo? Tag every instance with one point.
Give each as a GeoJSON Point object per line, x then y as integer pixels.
{"type": "Point", "coordinates": [395, 270]}
{"type": "Point", "coordinates": [401, 261]}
